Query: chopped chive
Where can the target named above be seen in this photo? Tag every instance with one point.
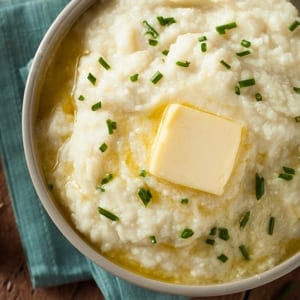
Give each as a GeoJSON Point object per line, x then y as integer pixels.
{"type": "Point", "coordinates": [259, 186]}
{"type": "Point", "coordinates": [156, 77]}
{"type": "Point", "coordinates": [92, 78]}
{"type": "Point", "coordinates": [111, 126]}
{"type": "Point", "coordinates": [150, 30]}
{"type": "Point", "coordinates": [152, 42]}
{"type": "Point", "coordinates": [107, 214]}
{"type": "Point", "coordinates": [245, 43]}
{"type": "Point", "coordinates": [244, 252]}
{"type": "Point", "coordinates": [96, 106]}
{"type": "Point", "coordinates": [297, 119]}
{"type": "Point", "coordinates": [81, 98]}
{"type": "Point", "coordinates": [203, 47]}
{"type": "Point", "coordinates": [258, 97]}
{"type": "Point", "coordinates": [210, 241]}
{"type": "Point", "coordinates": [145, 195]}
{"type": "Point", "coordinates": [153, 239]}
{"type": "Point", "coordinates": [285, 176]}
{"type": "Point", "coordinates": [213, 231]}
{"type": "Point", "coordinates": [134, 77]}
{"type": "Point", "coordinates": [294, 25]}
{"type": "Point", "coordinates": [143, 173]}
{"type": "Point", "coordinates": [243, 53]}
{"type": "Point", "coordinates": [165, 52]}
{"type": "Point", "coordinates": [247, 82]}
{"type": "Point", "coordinates": [223, 234]}
{"type": "Point", "coordinates": [225, 64]}
{"type": "Point", "coordinates": [184, 201]}
{"type": "Point", "coordinates": [223, 258]}
{"type": "Point", "coordinates": [183, 64]}
{"type": "Point", "coordinates": [166, 21]}
{"type": "Point", "coordinates": [222, 28]}
{"type": "Point", "coordinates": [202, 38]}
{"type": "Point", "coordinates": [103, 147]}
{"type": "Point", "coordinates": [244, 220]}
{"type": "Point", "coordinates": [237, 90]}
{"type": "Point", "coordinates": [105, 180]}
{"type": "Point", "coordinates": [296, 89]}
{"type": "Point", "coordinates": [103, 63]}
{"type": "Point", "coordinates": [271, 225]}
{"type": "Point", "coordinates": [289, 170]}
{"type": "Point", "coordinates": [186, 233]}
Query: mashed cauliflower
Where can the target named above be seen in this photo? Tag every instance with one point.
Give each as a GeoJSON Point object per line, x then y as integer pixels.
{"type": "Point", "coordinates": [100, 109]}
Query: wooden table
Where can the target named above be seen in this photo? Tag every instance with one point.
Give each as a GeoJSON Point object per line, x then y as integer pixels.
{"type": "Point", "coordinates": [15, 281]}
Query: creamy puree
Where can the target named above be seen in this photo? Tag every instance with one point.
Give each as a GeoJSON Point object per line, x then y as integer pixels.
{"type": "Point", "coordinates": [204, 238]}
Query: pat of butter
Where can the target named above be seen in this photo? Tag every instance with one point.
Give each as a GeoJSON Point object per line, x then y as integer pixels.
{"type": "Point", "coordinates": [196, 149]}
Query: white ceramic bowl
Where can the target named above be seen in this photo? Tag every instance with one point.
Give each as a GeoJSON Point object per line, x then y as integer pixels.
{"type": "Point", "coordinates": [54, 35]}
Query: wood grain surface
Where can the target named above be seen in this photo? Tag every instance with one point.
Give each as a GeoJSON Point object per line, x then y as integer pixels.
{"type": "Point", "coordinates": [15, 280]}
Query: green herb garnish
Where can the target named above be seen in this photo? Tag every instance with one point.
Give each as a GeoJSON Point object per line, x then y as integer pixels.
{"type": "Point", "coordinates": [134, 77]}
{"type": "Point", "coordinates": [244, 220]}
{"type": "Point", "coordinates": [105, 180]}
{"type": "Point", "coordinates": [224, 234]}
{"type": "Point", "coordinates": [289, 170]}
{"type": "Point", "coordinates": [166, 21]}
{"type": "Point", "coordinates": [244, 252]}
{"type": "Point", "coordinates": [213, 231]}
{"type": "Point", "coordinates": [111, 126]}
{"type": "Point", "coordinates": [186, 233]}
{"type": "Point", "coordinates": [150, 30]}
{"type": "Point", "coordinates": [202, 39]}
{"type": "Point", "coordinates": [184, 201]}
{"type": "Point", "coordinates": [156, 77]}
{"type": "Point", "coordinates": [237, 90]}
{"type": "Point", "coordinates": [271, 225]}
{"type": "Point", "coordinates": [223, 258]}
{"type": "Point", "coordinates": [296, 89]}
{"type": "Point", "coordinates": [222, 28]}
{"type": "Point", "coordinates": [96, 106]}
{"type": "Point", "coordinates": [246, 83]}
{"type": "Point", "coordinates": [294, 25]}
{"type": "Point", "coordinates": [258, 97]}
{"type": "Point", "coordinates": [165, 52]}
{"type": "Point", "coordinates": [203, 47]}
{"type": "Point", "coordinates": [243, 53]}
{"type": "Point", "coordinates": [103, 147]}
{"type": "Point", "coordinates": [92, 78]}
{"type": "Point", "coordinates": [183, 64]}
{"type": "Point", "coordinates": [81, 98]}
{"type": "Point", "coordinates": [152, 42]}
{"type": "Point", "coordinates": [103, 63]}
{"type": "Point", "coordinates": [285, 176]}
{"type": "Point", "coordinates": [297, 119]}
{"type": "Point", "coordinates": [259, 186]}
{"type": "Point", "coordinates": [245, 43]}
{"type": "Point", "coordinates": [210, 241]}
{"type": "Point", "coordinates": [225, 64]}
{"type": "Point", "coordinates": [153, 239]}
{"type": "Point", "coordinates": [107, 214]}
{"type": "Point", "coordinates": [143, 173]}
{"type": "Point", "coordinates": [145, 195]}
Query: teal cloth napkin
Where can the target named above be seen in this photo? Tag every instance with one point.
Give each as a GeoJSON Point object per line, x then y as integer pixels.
{"type": "Point", "coordinates": [51, 259]}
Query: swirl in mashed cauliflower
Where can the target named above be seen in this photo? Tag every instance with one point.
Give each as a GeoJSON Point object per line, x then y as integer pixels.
{"type": "Point", "coordinates": [98, 120]}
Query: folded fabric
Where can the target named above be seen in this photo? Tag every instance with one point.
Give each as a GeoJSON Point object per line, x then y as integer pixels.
{"type": "Point", "coordinates": [51, 259]}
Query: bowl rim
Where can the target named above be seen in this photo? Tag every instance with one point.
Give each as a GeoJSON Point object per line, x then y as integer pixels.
{"type": "Point", "coordinates": [73, 10]}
